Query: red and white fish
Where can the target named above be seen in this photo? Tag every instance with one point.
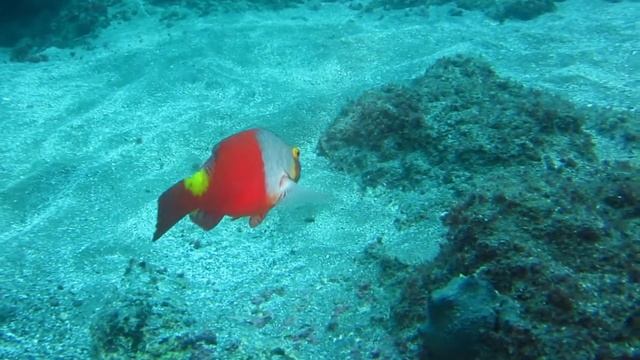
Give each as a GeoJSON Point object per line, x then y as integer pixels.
{"type": "Point", "coordinates": [247, 174]}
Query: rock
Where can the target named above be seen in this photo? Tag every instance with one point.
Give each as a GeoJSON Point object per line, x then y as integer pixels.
{"type": "Point", "coordinates": [519, 9]}
{"type": "Point", "coordinates": [535, 214]}
{"type": "Point", "coordinates": [460, 314]}
{"type": "Point", "coordinates": [459, 116]}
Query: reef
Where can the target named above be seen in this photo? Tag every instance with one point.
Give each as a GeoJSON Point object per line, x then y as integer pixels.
{"type": "Point", "coordinates": [500, 10]}
{"type": "Point", "coordinates": [543, 232]}
{"type": "Point", "coordinates": [204, 7]}
{"type": "Point", "coordinates": [29, 27]}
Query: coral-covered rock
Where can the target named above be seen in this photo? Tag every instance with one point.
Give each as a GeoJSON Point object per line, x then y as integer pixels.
{"type": "Point", "coordinates": [564, 252]}
{"type": "Point", "coordinates": [374, 135]}
{"type": "Point", "coordinates": [537, 216]}
{"type": "Point", "coordinates": [459, 115]}
{"type": "Point", "coordinates": [561, 253]}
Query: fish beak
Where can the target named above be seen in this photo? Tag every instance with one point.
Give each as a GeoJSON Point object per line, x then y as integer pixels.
{"type": "Point", "coordinates": [296, 171]}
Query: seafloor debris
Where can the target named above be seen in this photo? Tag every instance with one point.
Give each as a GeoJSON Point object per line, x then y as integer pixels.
{"type": "Point", "coordinates": [538, 217]}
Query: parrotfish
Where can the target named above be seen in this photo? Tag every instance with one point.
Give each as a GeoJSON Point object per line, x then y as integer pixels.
{"type": "Point", "coordinates": [247, 174]}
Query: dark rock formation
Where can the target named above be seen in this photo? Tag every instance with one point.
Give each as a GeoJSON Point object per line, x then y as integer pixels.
{"type": "Point", "coordinates": [25, 18]}
{"type": "Point", "coordinates": [509, 9]}
{"type": "Point", "coordinates": [537, 216]}
{"type": "Point", "coordinates": [31, 26]}
{"type": "Point", "coordinates": [461, 316]}
{"type": "Point", "coordinates": [459, 116]}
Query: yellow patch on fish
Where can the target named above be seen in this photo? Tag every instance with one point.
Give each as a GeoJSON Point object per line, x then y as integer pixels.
{"type": "Point", "coordinates": [198, 183]}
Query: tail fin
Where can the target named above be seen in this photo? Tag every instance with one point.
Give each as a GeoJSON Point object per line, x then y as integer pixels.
{"type": "Point", "coordinates": [173, 205]}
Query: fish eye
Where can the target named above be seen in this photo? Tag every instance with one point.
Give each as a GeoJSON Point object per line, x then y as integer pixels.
{"type": "Point", "coordinates": [296, 152]}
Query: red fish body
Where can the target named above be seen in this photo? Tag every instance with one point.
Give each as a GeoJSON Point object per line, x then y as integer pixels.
{"type": "Point", "coordinates": [246, 175]}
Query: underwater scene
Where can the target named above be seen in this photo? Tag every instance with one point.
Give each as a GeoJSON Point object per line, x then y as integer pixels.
{"type": "Point", "coordinates": [309, 179]}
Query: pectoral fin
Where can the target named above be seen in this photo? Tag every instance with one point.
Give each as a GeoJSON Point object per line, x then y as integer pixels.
{"type": "Point", "coordinates": [255, 220]}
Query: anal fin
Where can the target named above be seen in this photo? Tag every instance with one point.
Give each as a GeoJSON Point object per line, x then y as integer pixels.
{"type": "Point", "coordinates": [205, 220]}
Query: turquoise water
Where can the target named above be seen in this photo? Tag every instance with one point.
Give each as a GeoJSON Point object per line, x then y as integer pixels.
{"type": "Point", "coordinates": [104, 105]}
